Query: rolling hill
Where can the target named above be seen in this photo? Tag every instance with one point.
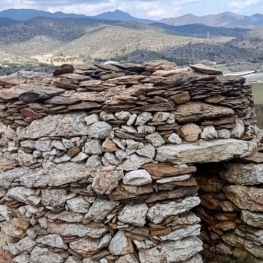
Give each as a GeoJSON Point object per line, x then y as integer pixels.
{"type": "Point", "coordinates": [226, 19]}
{"type": "Point", "coordinates": [5, 21]}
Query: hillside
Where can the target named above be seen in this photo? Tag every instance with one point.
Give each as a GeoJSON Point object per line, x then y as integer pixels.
{"type": "Point", "coordinates": [5, 21]}
{"type": "Point", "coordinates": [226, 19]}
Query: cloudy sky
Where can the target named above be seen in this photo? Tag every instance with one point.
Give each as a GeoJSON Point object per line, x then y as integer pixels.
{"type": "Point", "coordinates": [153, 9]}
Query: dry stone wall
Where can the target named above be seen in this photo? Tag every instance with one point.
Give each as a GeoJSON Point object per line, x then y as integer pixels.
{"type": "Point", "coordinates": [102, 163]}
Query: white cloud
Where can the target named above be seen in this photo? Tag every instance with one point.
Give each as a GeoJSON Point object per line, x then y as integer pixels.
{"type": "Point", "coordinates": [243, 4]}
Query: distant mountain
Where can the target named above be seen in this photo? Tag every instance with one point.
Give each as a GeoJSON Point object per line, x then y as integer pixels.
{"type": "Point", "coordinates": [226, 19]}
{"type": "Point", "coordinates": [122, 16]}
{"type": "Point", "coordinates": [26, 14]}
{"type": "Point", "coordinates": [5, 21]}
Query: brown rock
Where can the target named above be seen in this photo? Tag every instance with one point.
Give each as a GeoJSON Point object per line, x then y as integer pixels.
{"type": "Point", "coordinates": [190, 132]}
{"type": "Point", "coordinates": [73, 151]}
{"type": "Point", "coordinates": [109, 146]}
{"type": "Point", "coordinates": [181, 97]}
{"type": "Point", "coordinates": [215, 99]}
{"type": "Point", "coordinates": [163, 170]}
{"type": "Point", "coordinates": [84, 106]}
{"type": "Point", "coordinates": [19, 223]}
{"type": "Point", "coordinates": [226, 225]}
{"type": "Point", "coordinates": [205, 69]}
{"type": "Point", "coordinates": [65, 68]}
{"type": "Point", "coordinates": [60, 100]}
{"type": "Point", "coordinates": [161, 232]}
{"type": "Point", "coordinates": [30, 113]}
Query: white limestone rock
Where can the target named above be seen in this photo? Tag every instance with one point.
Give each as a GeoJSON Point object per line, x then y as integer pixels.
{"type": "Point", "coordinates": [120, 245]}
{"type": "Point", "coordinates": [100, 130]}
{"type": "Point", "coordinates": [209, 133]}
{"type": "Point", "coordinates": [137, 178]}
{"type": "Point", "coordinates": [26, 245]}
{"type": "Point", "coordinates": [64, 125]}
{"type": "Point", "coordinates": [161, 116]}
{"type": "Point", "coordinates": [174, 138]}
{"type": "Point", "coordinates": [93, 147]}
{"type": "Point", "coordinates": [173, 251]}
{"type": "Point", "coordinates": [133, 162]}
{"type": "Point", "coordinates": [78, 205]}
{"type": "Point", "coordinates": [205, 151]}
{"type": "Point", "coordinates": [43, 255]}
{"type": "Point", "coordinates": [30, 144]}
{"type": "Point", "coordinates": [147, 151]}
{"type": "Point", "coordinates": [129, 258]}
{"type": "Point", "coordinates": [43, 145]}
{"type": "Point", "coordinates": [100, 209]}
{"type": "Point", "coordinates": [131, 119]}
{"type": "Point", "coordinates": [53, 197]}
{"type": "Point", "coordinates": [26, 159]}
{"type": "Point", "coordinates": [252, 218]}
{"type": "Point", "coordinates": [159, 212]}
{"type": "Point", "coordinates": [143, 118]}
{"type": "Point", "coordinates": [85, 247]}
{"type": "Point", "coordinates": [134, 214]}
{"type": "Point", "coordinates": [80, 157]}
{"type": "Point", "coordinates": [224, 134]}
{"type": "Point", "coordinates": [238, 130]}
{"type": "Point", "coordinates": [244, 174]}
{"type": "Point", "coordinates": [63, 159]}
{"type": "Point", "coordinates": [52, 240]}
{"type": "Point", "coordinates": [58, 145]}
{"type": "Point", "coordinates": [20, 193]}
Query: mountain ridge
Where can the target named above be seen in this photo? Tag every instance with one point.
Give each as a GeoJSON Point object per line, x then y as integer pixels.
{"type": "Point", "coordinates": [226, 19]}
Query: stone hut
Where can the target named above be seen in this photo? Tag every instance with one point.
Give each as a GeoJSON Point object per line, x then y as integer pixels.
{"type": "Point", "coordinates": [129, 164]}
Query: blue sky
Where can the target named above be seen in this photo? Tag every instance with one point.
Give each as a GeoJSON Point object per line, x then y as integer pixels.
{"type": "Point", "coordinates": [153, 9]}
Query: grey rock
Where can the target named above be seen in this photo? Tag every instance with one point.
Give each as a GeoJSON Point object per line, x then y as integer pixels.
{"type": "Point", "coordinates": [62, 174]}
{"type": "Point", "coordinates": [63, 159]}
{"type": "Point", "coordinates": [30, 179]}
{"type": "Point", "coordinates": [110, 159]}
{"type": "Point", "coordinates": [120, 244]}
{"type": "Point", "coordinates": [161, 116]}
{"type": "Point", "coordinates": [131, 119]}
{"type": "Point", "coordinates": [100, 209]}
{"type": "Point", "coordinates": [68, 144]}
{"type": "Point", "coordinates": [209, 133]}
{"type": "Point", "coordinates": [80, 157]}
{"type": "Point", "coordinates": [134, 214]}
{"type": "Point", "coordinates": [238, 130]}
{"type": "Point", "coordinates": [37, 154]}
{"type": "Point", "coordinates": [43, 146]}
{"type": "Point", "coordinates": [26, 159]}
{"type": "Point", "coordinates": [106, 182]}
{"type": "Point", "coordinates": [159, 212]}
{"type": "Point", "coordinates": [78, 205]}
{"type": "Point", "coordinates": [147, 151]}
{"type": "Point", "coordinates": [223, 134]}
{"type": "Point", "coordinates": [173, 251]}
{"type": "Point", "coordinates": [93, 163]}
{"type": "Point", "coordinates": [22, 258]}
{"type": "Point", "coordinates": [64, 125]}
{"type": "Point", "coordinates": [93, 147]}
{"type": "Point", "coordinates": [58, 145]}
{"type": "Point", "coordinates": [205, 151]}
{"type": "Point", "coordinates": [174, 138]}
{"type": "Point", "coordinates": [43, 255]}
{"type": "Point", "coordinates": [100, 130]}
{"type": "Point", "coordinates": [121, 155]}
{"type": "Point", "coordinates": [7, 178]}
{"type": "Point", "coordinates": [20, 193]}
{"type": "Point", "coordinates": [72, 260]}
{"type": "Point", "coordinates": [107, 116]}
{"type": "Point", "coordinates": [76, 229]}
{"type": "Point", "coordinates": [30, 144]}
{"type": "Point", "coordinates": [133, 162]}
{"type": "Point", "coordinates": [252, 218]}
{"type": "Point", "coordinates": [244, 174]}
{"type": "Point", "coordinates": [129, 258]}
{"type": "Point", "coordinates": [26, 245]}
{"type": "Point", "coordinates": [174, 179]}
{"type": "Point", "coordinates": [192, 230]}
{"type": "Point", "coordinates": [155, 139]}
{"type": "Point", "coordinates": [91, 119]}
{"type": "Point", "coordinates": [137, 178]}
{"type": "Point", "coordinates": [145, 129]}
{"type": "Point", "coordinates": [53, 197]}
{"type": "Point", "coordinates": [143, 118]}
{"type": "Point", "coordinates": [52, 241]}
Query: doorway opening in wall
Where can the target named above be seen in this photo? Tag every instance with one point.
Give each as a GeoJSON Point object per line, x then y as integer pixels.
{"type": "Point", "coordinates": [220, 218]}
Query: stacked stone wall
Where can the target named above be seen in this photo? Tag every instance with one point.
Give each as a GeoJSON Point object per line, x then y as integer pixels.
{"type": "Point", "coordinates": [102, 163]}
